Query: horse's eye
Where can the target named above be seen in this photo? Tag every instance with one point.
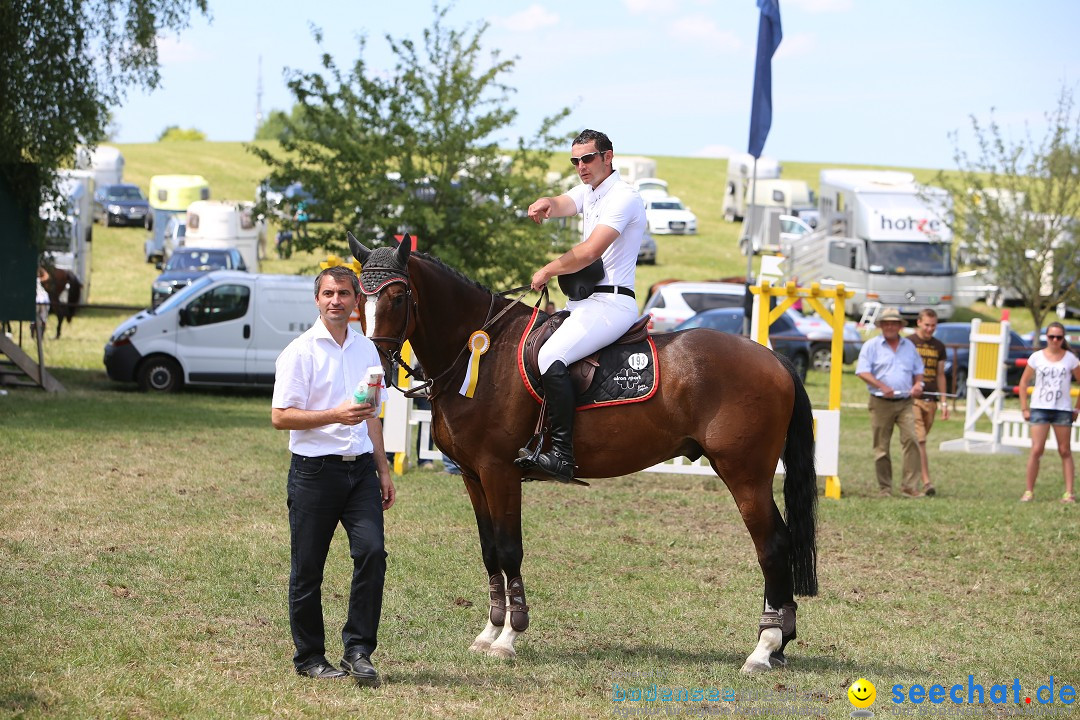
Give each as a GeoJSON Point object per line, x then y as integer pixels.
{"type": "Point", "coordinates": [397, 301]}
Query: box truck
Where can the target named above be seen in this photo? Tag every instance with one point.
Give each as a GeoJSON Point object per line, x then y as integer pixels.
{"type": "Point", "coordinates": [739, 186]}
{"type": "Point", "coordinates": [884, 237]}
{"type": "Point", "coordinates": [216, 224]}
{"type": "Point", "coordinates": [226, 328]}
{"type": "Point", "coordinates": [169, 195]}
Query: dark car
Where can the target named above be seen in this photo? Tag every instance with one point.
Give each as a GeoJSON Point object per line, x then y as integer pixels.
{"type": "Point", "coordinates": [188, 263]}
{"type": "Point", "coordinates": [647, 252]}
{"type": "Point", "coordinates": [120, 205]}
{"type": "Point", "coordinates": [785, 337]}
{"type": "Point", "coordinates": [957, 339]}
{"type": "Point", "coordinates": [1072, 337]}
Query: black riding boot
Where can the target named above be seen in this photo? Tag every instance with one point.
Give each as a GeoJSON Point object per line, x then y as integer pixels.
{"type": "Point", "coordinates": [558, 463]}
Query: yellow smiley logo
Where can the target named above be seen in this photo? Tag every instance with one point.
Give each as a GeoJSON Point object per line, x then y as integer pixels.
{"type": "Point", "coordinates": [862, 693]}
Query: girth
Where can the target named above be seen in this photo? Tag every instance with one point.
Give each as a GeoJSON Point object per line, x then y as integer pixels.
{"type": "Point", "coordinates": [582, 371]}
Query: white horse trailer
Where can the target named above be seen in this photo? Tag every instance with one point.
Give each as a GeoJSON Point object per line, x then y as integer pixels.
{"type": "Point", "coordinates": [225, 224]}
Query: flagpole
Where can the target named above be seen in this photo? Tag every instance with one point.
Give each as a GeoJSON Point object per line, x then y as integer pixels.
{"type": "Point", "coordinates": [749, 303]}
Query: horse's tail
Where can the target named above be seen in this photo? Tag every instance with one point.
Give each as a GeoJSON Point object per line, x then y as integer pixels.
{"type": "Point", "coordinates": [800, 490]}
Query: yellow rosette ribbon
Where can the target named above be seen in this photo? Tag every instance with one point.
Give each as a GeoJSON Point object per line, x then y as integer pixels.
{"type": "Point", "coordinates": [334, 261]}
{"type": "Point", "coordinates": [479, 342]}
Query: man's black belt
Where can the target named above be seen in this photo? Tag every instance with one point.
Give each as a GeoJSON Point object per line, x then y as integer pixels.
{"type": "Point", "coordinates": [893, 399]}
{"type": "Point", "coordinates": [615, 289]}
{"type": "Point", "coordinates": [336, 458]}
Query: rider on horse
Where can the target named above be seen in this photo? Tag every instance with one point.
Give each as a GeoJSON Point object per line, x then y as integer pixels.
{"type": "Point", "coordinates": [597, 276]}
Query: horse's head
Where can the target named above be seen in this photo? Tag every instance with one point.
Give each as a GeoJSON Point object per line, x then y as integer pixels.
{"type": "Point", "coordinates": [388, 316]}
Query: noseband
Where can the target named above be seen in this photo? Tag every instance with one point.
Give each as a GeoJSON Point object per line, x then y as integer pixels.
{"type": "Point", "coordinates": [374, 279]}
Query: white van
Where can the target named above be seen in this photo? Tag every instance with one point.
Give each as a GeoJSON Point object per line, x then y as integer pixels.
{"type": "Point", "coordinates": [213, 224]}
{"type": "Point", "coordinates": [226, 328]}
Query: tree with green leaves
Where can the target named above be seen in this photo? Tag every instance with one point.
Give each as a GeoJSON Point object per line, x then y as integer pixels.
{"type": "Point", "coordinates": [63, 65]}
{"type": "Point", "coordinates": [278, 124]}
{"type": "Point", "coordinates": [175, 133]}
{"type": "Point", "coordinates": [417, 149]}
{"type": "Point", "coordinates": [1018, 207]}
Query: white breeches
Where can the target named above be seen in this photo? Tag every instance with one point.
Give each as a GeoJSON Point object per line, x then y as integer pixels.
{"type": "Point", "coordinates": [595, 322]}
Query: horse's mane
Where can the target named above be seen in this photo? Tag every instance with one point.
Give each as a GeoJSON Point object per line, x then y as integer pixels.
{"type": "Point", "coordinates": [456, 273]}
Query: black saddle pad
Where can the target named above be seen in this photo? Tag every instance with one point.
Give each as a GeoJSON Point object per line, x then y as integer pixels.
{"type": "Point", "coordinates": [627, 373]}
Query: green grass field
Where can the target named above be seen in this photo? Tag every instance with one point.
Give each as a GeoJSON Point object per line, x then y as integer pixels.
{"type": "Point", "coordinates": [144, 554]}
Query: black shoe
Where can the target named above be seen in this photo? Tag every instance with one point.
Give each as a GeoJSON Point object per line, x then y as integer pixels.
{"type": "Point", "coordinates": [558, 463]}
{"type": "Point", "coordinates": [321, 670]}
{"type": "Point", "coordinates": [357, 664]}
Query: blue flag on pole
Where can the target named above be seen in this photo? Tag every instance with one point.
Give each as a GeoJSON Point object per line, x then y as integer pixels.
{"type": "Point", "coordinates": [768, 39]}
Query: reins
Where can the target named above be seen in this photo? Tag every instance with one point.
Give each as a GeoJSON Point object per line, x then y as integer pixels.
{"type": "Point", "coordinates": [425, 388]}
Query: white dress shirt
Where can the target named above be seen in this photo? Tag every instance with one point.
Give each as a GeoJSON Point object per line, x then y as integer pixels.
{"type": "Point", "coordinates": [617, 205]}
{"type": "Point", "coordinates": [315, 373]}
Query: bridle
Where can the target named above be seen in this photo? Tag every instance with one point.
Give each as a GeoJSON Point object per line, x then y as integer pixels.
{"type": "Point", "coordinates": [374, 279]}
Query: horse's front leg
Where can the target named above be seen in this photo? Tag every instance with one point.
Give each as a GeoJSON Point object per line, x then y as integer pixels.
{"type": "Point", "coordinates": [496, 580]}
{"type": "Point", "coordinates": [504, 503]}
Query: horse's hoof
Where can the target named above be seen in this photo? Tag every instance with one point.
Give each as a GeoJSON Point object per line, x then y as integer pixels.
{"type": "Point", "coordinates": [480, 646]}
{"type": "Point", "coordinates": [753, 667]}
{"type": "Point", "coordinates": [503, 653]}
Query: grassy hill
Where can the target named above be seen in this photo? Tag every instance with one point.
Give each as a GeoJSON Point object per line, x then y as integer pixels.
{"type": "Point", "coordinates": [233, 174]}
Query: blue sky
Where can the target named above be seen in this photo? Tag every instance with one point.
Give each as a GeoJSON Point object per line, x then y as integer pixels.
{"type": "Point", "coordinates": [854, 81]}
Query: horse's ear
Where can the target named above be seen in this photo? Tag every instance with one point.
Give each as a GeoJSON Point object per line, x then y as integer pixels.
{"type": "Point", "coordinates": [404, 248]}
{"type": "Point", "coordinates": [359, 251]}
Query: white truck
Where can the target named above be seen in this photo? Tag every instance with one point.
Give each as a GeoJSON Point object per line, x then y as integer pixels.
{"type": "Point", "coordinates": [883, 236]}
{"type": "Point", "coordinates": [226, 328]}
{"type": "Point", "coordinates": [739, 186]}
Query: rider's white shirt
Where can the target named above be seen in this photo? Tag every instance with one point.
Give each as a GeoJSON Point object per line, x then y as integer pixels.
{"type": "Point", "coordinates": [617, 205]}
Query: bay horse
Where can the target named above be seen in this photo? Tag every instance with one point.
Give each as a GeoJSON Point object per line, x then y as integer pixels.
{"type": "Point", "coordinates": [722, 396]}
{"type": "Point", "coordinates": [55, 280]}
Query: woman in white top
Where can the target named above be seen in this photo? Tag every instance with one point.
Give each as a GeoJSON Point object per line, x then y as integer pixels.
{"type": "Point", "coordinates": [1050, 403]}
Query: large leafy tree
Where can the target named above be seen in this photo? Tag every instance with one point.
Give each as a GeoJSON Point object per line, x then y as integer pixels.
{"type": "Point", "coordinates": [63, 65]}
{"type": "Point", "coordinates": [1018, 207]}
{"type": "Point", "coordinates": [416, 149]}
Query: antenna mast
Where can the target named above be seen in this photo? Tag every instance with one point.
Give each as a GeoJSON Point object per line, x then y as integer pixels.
{"type": "Point", "coordinates": [258, 99]}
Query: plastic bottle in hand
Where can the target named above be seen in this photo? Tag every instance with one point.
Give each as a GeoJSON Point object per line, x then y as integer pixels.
{"type": "Point", "coordinates": [367, 390]}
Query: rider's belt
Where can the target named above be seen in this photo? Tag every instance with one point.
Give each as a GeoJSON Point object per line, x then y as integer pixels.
{"type": "Point", "coordinates": [614, 289]}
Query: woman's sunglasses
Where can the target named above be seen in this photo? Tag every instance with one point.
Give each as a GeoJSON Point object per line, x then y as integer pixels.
{"type": "Point", "coordinates": [586, 158]}
{"type": "Point", "coordinates": [1055, 337]}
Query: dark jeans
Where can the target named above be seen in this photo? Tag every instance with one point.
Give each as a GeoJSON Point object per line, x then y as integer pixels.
{"type": "Point", "coordinates": [323, 492]}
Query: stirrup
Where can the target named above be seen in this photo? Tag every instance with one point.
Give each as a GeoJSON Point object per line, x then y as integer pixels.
{"type": "Point", "coordinates": [535, 471]}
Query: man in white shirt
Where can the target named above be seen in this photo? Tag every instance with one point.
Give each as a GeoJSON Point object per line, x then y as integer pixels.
{"type": "Point", "coordinates": [339, 473]}
{"type": "Point", "coordinates": [602, 307]}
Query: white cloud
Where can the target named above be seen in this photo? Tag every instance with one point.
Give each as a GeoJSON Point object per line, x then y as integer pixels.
{"type": "Point", "coordinates": [173, 50]}
{"type": "Point", "coordinates": [819, 6]}
{"type": "Point", "coordinates": [651, 7]}
{"type": "Point", "coordinates": [531, 18]}
{"type": "Point", "coordinates": [715, 151]}
{"type": "Point", "coordinates": [797, 45]}
{"type": "Point", "coordinates": [702, 30]}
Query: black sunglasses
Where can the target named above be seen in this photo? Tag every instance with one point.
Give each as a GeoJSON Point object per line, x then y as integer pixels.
{"type": "Point", "coordinates": [586, 158]}
{"type": "Point", "coordinates": [1055, 337]}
